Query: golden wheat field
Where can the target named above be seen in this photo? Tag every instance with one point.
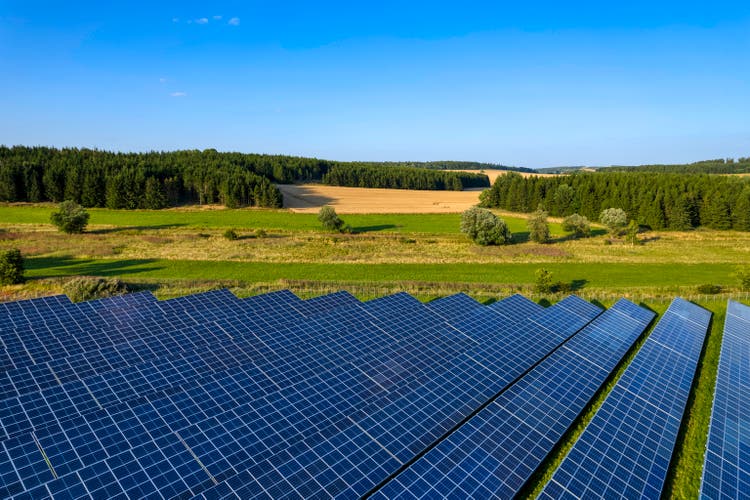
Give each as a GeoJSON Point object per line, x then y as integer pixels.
{"type": "Point", "coordinates": [308, 198]}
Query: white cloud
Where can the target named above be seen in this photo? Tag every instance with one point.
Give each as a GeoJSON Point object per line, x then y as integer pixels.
{"type": "Point", "coordinates": [175, 19]}
{"type": "Point", "coordinates": [162, 80]}
{"type": "Point", "coordinates": [202, 20]}
{"type": "Point", "coordinates": [235, 21]}
{"type": "Point", "coordinates": [178, 94]}
{"type": "Point", "coordinates": [218, 18]}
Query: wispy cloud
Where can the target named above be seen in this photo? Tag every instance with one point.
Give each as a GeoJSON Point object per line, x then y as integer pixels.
{"type": "Point", "coordinates": [178, 94]}
{"type": "Point", "coordinates": [162, 80]}
{"type": "Point", "coordinates": [217, 18]}
{"type": "Point", "coordinates": [202, 20]}
{"type": "Point", "coordinates": [175, 19]}
{"type": "Point", "coordinates": [235, 21]}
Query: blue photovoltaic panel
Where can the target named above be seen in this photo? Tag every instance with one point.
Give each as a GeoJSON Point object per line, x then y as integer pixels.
{"type": "Point", "coordinates": [363, 450]}
{"type": "Point", "coordinates": [726, 470]}
{"type": "Point", "coordinates": [625, 450]}
{"type": "Point", "coordinates": [516, 306]}
{"type": "Point", "coordinates": [325, 303]}
{"type": "Point", "coordinates": [453, 306]}
{"type": "Point", "coordinates": [497, 450]}
{"type": "Point", "coordinates": [210, 393]}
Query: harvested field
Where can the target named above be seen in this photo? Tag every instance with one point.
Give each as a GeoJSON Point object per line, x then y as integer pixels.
{"type": "Point", "coordinates": [494, 174]}
{"type": "Point", "coordinates": [308, 198]}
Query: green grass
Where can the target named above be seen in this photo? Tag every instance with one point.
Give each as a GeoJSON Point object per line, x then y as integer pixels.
{"type": "Point", "coordinates": [252, 218]}
{"type": "Point", "coordinates": [595, 275]}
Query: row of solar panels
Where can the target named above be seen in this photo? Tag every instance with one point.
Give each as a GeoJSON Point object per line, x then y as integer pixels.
{"type": "Point", "coordinates": [272, 396]}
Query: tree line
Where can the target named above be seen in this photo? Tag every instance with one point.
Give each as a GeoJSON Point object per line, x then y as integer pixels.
{"type": "Point", "coordinates": [441, 165]}
{"type": "Point", "coordinates": [658, 201]}
{"type": "Point", "coordinates": [154, 180]}
{"type": "Point", "coordinates": [376, 176]}
{"type": "Point", "coordinates": [95, 178]}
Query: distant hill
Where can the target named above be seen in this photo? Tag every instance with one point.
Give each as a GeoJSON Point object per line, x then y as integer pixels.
{"type": "Point", "coordinates": [441, 165]}
{"type": "Point", "coordinates": [719, 166]}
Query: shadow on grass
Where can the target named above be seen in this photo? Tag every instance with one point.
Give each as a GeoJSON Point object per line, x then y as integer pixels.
{"type": "Point", "coordinates": [133, 228]}
{"type": "Point", "coordinates": [369, 229]}
{"type": "Point", "coordinates": [50, 267]}
{"type": "Point", "coordinates": [576, 285]}
{"type": "Point", "coordinates": [521, 237]}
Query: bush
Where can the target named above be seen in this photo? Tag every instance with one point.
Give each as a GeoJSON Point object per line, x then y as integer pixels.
{"type": "Point", "coordinates": [632, 233]}
{"type": "Point", "coordinates": [88, 288]}
{"type": "Point", "coordinates": [543, 283]}
{"type": "Point", "coordinates": [615, 220]}
{"type": "Point", "coordinates": [260, 233]}
{"type": "Point", "coordinates": [743, 275]}
{"type": "Point", "coordinates": [231, 234]}
{"type": "Point", "coordinates": [538, 226]}
{"type": "Point", "coordinates": [709, 289]}
{"type": "Point", "coordinates": [11, 267]}
{"type": "Point", "coordinates": [577, 224]}
{"type": "Point", "coordinates": [70, 217]}
{"type": "Point", "coordinates": [484, 227]}
{"type": "Point", "coordinates": [330, 220]}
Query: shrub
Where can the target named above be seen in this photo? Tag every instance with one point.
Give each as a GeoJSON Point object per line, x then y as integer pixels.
{"type": "Point", "coordinates": [261, 233]}
{"type": "Point", "coordinates": [577, 224]}
{"type": "Point", "coordinates": [709, 289]}
{"type": "Point", "coordinates": [330, 220]}
{"type": "Point", "coordinates": [484, 227]}
{"type": "Point", "coordinates": [615, 220]}
{"type": "Point", "coordinates": [543, 283]}
{"type": "Point", "coordinates": [231, 234]}
{"type": "Point", "coordinates": [89, 287]}
{"type": "Point", "coordinates": [632, 233]}
{"type": "Point", "coordinates": [70, 217]}
{"type": "Point", "coordinates": [743, 275]}
{"type": "Point", "coordinates": [538, 226]}
{"type": "Point", "coordinates": [11, 267]}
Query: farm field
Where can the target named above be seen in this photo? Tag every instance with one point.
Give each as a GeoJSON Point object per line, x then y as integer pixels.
{"type": "Point", "coordinates": [421, 252]}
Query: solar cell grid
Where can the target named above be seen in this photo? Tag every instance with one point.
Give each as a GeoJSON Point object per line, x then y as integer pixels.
{"type": "Point", "coordinates": [410, 423]}
{"type": "Point", "coordinates": [726, 472]}
{"type": "Point", "coordinates": [626, 448]}
{"type": "Point", "coordinates": [204, 395]}
{"type": "Point", "coordinates": [325, 303]}
{"type": "Point", "coordinates": [498, 449]}
{"type": "Point", "coordinates": [516, 306]}
{"type": "Point", "coordinates": [453, 306]}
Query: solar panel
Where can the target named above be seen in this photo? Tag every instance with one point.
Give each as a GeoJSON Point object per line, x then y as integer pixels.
{"type": "Point", "coordinates": [453, 306]}
{"type": "Point", "coordinates": [498, 449]}
{"type": "Point", "coordinates": [516, 305]}
{"type": "Point", "coordinates": [207, 397]}
{"type": "Point", "coordinates": [368, 446]}
{"type": "Point", "coordinates": [626, 448]}
{"type": "Point", "coordinates": [325, 303]}
{"type": "Point", "coordinates": [726, 470]}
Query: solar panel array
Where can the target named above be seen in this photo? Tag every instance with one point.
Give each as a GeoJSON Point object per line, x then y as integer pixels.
{"type": "Point", "coordinates": [214, 396]}
{"type": "Point", "coordinates": [497, 450]}
{"type": "Point", "coordinates": [624, 452]}
{"type": "Point", "coordinates": [726, 472]}
{"type": "Point", "coordinates": [211, 394]}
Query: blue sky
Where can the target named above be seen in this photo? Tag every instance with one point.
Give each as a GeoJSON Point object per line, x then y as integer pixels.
{"type": "Point", "coordinates": [539, 84]}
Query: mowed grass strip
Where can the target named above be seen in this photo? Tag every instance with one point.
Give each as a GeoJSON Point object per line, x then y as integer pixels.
{"type": "Point", "coordinates": [596, 275]}
{"type": "Point", "coordinates": [251, 218]}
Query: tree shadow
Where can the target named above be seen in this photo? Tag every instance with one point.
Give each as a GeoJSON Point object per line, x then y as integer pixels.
{"type": "Point", "coordinates": [66, 265]}
{"type": "Point", "coordinates": [650, 239]}
{"type": "Point", "coordinates": [521, 237]}
{"type": "Point", "coordinates": [576, 285]}
{"type": "Point", "coordinates": [544, 303]}
{"type": "Point", "coordinates": [133, 228]}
